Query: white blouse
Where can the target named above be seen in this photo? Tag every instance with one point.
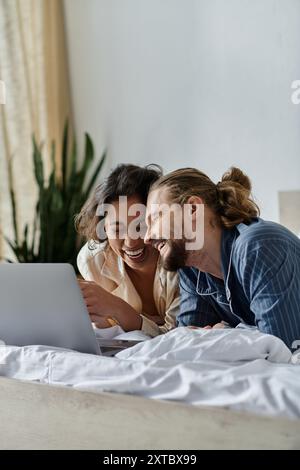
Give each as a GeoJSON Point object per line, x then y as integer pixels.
{"type": "Point", "coordinates": [103, 266]}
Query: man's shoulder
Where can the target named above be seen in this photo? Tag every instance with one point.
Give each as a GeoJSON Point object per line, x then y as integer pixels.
{"type": "Point", "coordinates": [264, 247]}
{"type": "Point", "coordinates": [263, 234]}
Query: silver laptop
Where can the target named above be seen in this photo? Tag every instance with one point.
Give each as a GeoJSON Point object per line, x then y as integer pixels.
{"type": "Point", "coordinates": [43, 304]}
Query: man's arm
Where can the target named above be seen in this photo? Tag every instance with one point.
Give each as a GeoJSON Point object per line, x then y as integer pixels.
{"type": "Point", "coordinates": [270, 274]}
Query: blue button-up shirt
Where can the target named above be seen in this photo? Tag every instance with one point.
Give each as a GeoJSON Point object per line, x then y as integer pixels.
{"type": "Point", "coordinates": [261, 286]}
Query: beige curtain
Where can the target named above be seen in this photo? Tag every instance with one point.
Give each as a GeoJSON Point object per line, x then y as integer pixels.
{"type": "Point", "coordinates": [33, 65]}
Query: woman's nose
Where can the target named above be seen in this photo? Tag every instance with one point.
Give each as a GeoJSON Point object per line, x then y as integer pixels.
{"type": "Point", "coordinates": [132, 242]}
{"type": "Point", "coordinates": [147, 236]}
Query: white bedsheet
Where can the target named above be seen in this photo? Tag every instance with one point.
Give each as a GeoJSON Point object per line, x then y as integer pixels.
{"type": "Point", "coordinates": [240, 369]}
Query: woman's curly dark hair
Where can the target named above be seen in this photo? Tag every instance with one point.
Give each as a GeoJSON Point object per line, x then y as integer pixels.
{"type": "Point", "coordinates": [124, 180]}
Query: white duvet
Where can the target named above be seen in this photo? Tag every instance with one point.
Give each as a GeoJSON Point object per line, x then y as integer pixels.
{"type": "Point", "coordinates": [236, 368]}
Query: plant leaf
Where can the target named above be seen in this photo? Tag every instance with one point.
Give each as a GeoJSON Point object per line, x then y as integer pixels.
{"type": "Point", "coordinates": [95, 175]}
{"type": "Point", "coordinates": [64, 157]}
{"type": "Point", "coordinates": [38, 164]}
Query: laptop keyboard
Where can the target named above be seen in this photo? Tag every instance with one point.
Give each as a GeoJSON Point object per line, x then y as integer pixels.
{"type": "Point", "coordinates": [110, 347]}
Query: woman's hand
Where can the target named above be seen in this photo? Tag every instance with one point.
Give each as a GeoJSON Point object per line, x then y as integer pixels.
{"type": "Point", "coordinates": [103, 305]}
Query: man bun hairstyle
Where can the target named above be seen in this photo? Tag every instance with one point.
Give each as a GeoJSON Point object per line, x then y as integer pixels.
{"type": "Point", "coordinates": [230, 199]}
{"type": "Point", "coordinates": [236, 204]}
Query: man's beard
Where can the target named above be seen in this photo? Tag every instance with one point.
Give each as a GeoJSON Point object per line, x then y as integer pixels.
{"type": "Point", "coordinates": [176, 258]}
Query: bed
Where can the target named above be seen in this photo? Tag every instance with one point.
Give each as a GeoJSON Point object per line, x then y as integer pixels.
{"type": "Point", "coordinates": [39, 416]}
{"type": "Point", "coordinates": [155, 395]}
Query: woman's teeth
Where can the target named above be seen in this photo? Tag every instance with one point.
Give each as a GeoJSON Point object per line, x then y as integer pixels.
{"type": "Point", "coordinates": [134, 253]}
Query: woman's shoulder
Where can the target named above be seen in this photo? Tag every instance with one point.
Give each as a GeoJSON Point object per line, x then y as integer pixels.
{"type": "Point", "coordinates": [91, 255]}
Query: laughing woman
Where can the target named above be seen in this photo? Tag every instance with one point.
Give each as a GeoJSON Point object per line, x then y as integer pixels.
{"type": "Point", "coordinates": [124, 281]}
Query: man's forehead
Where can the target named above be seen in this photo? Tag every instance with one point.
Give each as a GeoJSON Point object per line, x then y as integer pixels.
{"type": "Point", "coordinates": [159, 201]}
{"type": "Point", "coordinates": [159, 196]}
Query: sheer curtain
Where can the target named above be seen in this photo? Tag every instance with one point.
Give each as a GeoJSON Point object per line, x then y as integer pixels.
{"type": "Point", "coordinates": [33, 65]}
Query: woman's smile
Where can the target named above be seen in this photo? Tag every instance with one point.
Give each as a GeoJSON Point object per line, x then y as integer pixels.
{"type": "Point", "coordinates": [137, 255]}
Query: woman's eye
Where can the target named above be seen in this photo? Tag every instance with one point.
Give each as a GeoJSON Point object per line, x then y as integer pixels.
{"type": "Point", "coordinates": [113, 232]}
{"type": "Point", "coordinates": [142, 229]}
{"type": "Point", "coordinates": [121, 231]}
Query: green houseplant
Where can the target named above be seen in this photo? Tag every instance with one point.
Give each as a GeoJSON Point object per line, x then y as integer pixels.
{"type": "Point", "coordinates": [53, 237]}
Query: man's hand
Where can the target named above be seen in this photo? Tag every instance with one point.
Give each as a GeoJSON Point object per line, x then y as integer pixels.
{"type": "Point", "coordinates": [208, 327]}
{"type": "Point", "coordinates": [103, 305]}
{"type": "Point", "coordinates": [215, 327]}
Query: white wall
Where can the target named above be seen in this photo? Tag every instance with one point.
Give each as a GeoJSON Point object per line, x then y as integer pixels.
{"type": "Point", "coordinates": [203, 83]}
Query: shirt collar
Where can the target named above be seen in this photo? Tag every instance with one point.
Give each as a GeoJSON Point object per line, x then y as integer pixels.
{"type": "Point", "coordinates": [113, 266]}
{"type": "Point", "coordinates": [206, 284]}
{"type": "Point", "coordinates": [227, 244]}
